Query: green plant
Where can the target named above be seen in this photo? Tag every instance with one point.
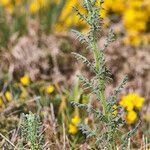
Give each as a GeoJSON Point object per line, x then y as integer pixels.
{"type": "Point", "coordinates": [107, 131]}
{"type": "Point", "coordinates": [4, 30]}
{"type": "Point", "coordinates": [31, 132]}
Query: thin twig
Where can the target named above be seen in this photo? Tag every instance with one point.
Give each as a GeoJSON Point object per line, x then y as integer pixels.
{"type": "Point", "coordinates": [7, 140]}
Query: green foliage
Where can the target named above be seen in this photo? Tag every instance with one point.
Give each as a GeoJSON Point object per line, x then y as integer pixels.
{"type": "Point", "coordinates": [4, 29]}
{"type": "Point", "coordinates": [31, 132]}
{"type": "Point", "coordinates": [45, 17]}
{"type": "Point", "coordinates": [107, 130]}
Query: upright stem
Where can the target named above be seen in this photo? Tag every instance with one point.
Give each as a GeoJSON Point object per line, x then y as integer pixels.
{"type": "Point", "coordinates": [98, 64]}
{"type": "Point", "coordinates": [101, 81]}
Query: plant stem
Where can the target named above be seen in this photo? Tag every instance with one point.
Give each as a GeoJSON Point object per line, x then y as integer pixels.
{"type": "Point", "coordinates": [101, 81]}
{"type": "Point", "coordinates": [8, 140]}
{"type": "Point", "coordinates": [98, 63]}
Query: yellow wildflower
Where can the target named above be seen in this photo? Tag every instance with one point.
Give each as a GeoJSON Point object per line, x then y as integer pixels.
{"type": "Point", "coordinates": [5, 2]}
{"type": "Point", "coordinates": [135, 3]}
{"type": "Point", "coordinates": [67, 18]}
{"type": "Point", "coordinates": [133, 38]}
{"type": "Point", "coordinates": [131, 117]}
{"type": "Point", "coordinates": [8, 96]}
{"type": "Point", "coordinates": [138, 101]}
{"type": "Point", "coordinates": [25, 80]}
{"type": "Point", "coordinates": [72, 129]}
{"type": "Point", "coordinates": [34, 7]}
{"type": "Point", "coordinates": [50, 89]}
{"type": "Point", "coordinates": [75, 120]}
{"type": "Point", "coordinates": [43, 3]}
{"type": "Point", "coordinates": [131, 17]}
{"type": "Point", "coordinates": [73, 125]}
{"type": "Point", "coordinates": [132, 101]}
{"type": "Point", "coordinates": [10, 8]}
{"type": "Point", "coordinates": [117, 6]}
{"type": "Point", "coordinates": [1, 102]}
{"type": "Point", "coordinates": [127, 103]}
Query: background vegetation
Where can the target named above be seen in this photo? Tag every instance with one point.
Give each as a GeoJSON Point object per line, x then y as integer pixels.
{"type": "Point", "coordinates": [38, 72]}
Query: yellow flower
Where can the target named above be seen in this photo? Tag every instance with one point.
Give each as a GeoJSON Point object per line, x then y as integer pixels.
{"type": "Point", "coordinates": [50, 89]}
{"type": "Point", "coordinates": [138, 102]}
{"type": "Point", "coordinates": [34, 7]}
{"type": "Point", "coordinates": [131, 117]}
{"type": "Point", "coordinates": [8, 96]}
{"type": "Point", "coordinates": [132, 101]}
{"type": "Point", "coordinates": [72, 129]}
{"type": "Point", "coordinates": [5, 2]}
{"type": "Point", "coordinates": [136, 3]}
{"type": "Point", "coordinates": [10, 8]}
{"type": "Point", "coordinates": [75, 120]}
{"type": "Point", "coordinates": [67, 18]}
{"type": "Point", "coordinates": [127, 103]}
{"type": "Point", "coordinates": [133, 39]}
{"type": "Point", "coordinates": [1, 102]}
{"type": "Point", "coordinates": [25, 80]}
{"type": "Point", "coordinates": [73, 125]}
{"type": "Point", "coordinates": [43, 3]}
{"type": "Point", "coordinates": [117, 6]}
{"type": "Point", "coordinates": [132, 17]}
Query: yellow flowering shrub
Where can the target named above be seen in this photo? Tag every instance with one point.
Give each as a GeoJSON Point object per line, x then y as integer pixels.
{"type": "Point", "coordinates": [117, 6]}
{"type": "Point", "coordinates": [134, 15]}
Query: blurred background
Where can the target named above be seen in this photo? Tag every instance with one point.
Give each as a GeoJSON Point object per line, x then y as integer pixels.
{"type": "Point", "coordinates": [37, 70]}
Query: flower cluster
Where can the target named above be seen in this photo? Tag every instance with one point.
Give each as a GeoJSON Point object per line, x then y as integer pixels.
{"type": "Point", "coordinates": [135, 17]}
{"type": "Point", "coordinates": [132, 103]}
{"type": "Point", "coordinates": [37, 5]}
{"type": "Point", "coordinates": [34, 5]}
{"type": "Point", "coordinates": [7, 97]}
{"type": "Point", "coordinates": [68, 18]}
{"type": "Point", "coordinates": [73, 129]}
{"type": "Point", "coordinates": [133, 14]}
{"type": "Point", "coordinates": [24, 86]}
{"type": "Point", "coordinates": [10, 5]}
